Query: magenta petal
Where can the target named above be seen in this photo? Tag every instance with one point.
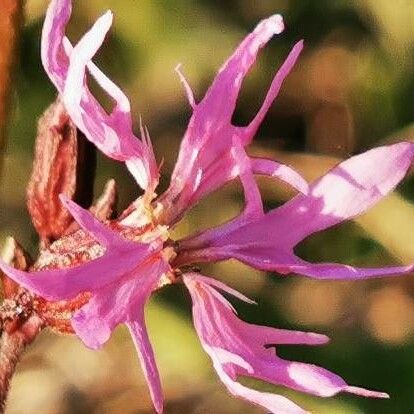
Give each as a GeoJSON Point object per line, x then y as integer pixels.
{"type": "Point", "coordinates": [92, 225]}
{"type": "Point", "coordinates": [230, 76]}
{"type": "Point", "coordinates": [253, 204]}
{"type": "Point", "coordinates": [123, 302]}
{"type": "Point", "coordinates": [121, 257]}
{"type": "Point", "coordinates": [59, 284]}
{"type": "Point", "coordinates": [117, 303]}
{"type": "Point", "coordinates": [240, 349]}
{"type": "Point", "coordinates": [96, 320]}
{"type": "Point", "coordinates": [204, 161]}
{"type": "Point", "coordinates": [346, 191]}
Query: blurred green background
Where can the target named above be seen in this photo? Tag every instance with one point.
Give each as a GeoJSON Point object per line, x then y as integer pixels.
{"type": "Point", "coordinates": [352, 89]}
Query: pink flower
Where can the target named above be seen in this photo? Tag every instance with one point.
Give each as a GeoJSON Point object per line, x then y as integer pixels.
{"type": "Point", "coordinates": [134, 255]}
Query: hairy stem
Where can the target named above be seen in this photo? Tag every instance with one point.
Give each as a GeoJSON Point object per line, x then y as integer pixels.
{"type": "Point", "coordinates": [11, 349]}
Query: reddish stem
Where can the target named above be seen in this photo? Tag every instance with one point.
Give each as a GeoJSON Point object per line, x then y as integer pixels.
{"type": "Point", "coordinates": [12, 347]}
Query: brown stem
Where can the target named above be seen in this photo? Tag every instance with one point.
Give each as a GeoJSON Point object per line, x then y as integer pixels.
{"type": "Point", "coordinates": [12, 347]}
{"type": "Point", "coordinates": [11, 16]}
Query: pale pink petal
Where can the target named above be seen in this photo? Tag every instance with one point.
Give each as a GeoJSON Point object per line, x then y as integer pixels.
{"type": "Point", "coordinates": [187, 87]}
{"type": "Point", "coordinates": [112, 134]}
{"type": "Point", "coordinates": [346, 191]}
{"type": "Point", "coordinates": [340, 271]}
{"type": "Point", "coordinates": [268, 335]}
{"type": "Point", "coordinates": [221, 286]}
{"type": "Point", "coordinates": [205, 162]}
{"type": "Point", "coordinates": [106, 84]}
{"type": "Point", "coordinates": [54, 58]}
{"type": "Point", "coordinates": [308, 378]}
{"type": "Point", "coordinates": [241, 349]}
{"type": "Point", "coordinates": [349, 189]}
{"type": "Point", "coordinates": [274, 403]}
{"type": "Point", "coordinates": [66, 66]}
{"type": "Point", "coordinates": [287, 174]}
{"type": "Point", "coordinates": [120, 258]}
{"type": "Point", "coordinates": [271, 259]}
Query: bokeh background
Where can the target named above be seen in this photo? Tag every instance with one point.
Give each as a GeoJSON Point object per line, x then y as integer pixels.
{"type": "Point", "coordinates": [352, 89]}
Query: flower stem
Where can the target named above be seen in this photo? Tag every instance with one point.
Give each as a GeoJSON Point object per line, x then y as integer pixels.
{"type": "Point", "coordinates": [11, 348]}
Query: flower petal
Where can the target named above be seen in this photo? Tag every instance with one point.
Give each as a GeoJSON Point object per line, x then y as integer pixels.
{"type": "Point", "coordinates": [230, 76]}
{"type": "Point", "coordinates": [253, 205]}
{"type": "Point", "coordinates": [66, 66]}
{"type": "Point", "coordinates": [346, 191]}
{"type": "Point", "coordinates": [248, 133]}
{"type": "Point", "coordinates": [272, 402]}
{"type": "Point", "coordinates": [340, 271]}
{"type": "Point", "coordinates": [287, 174]}
{"type": "Point", "coordinates": [54, 59]}
{"type": "Point", "coordinates": [116, 303]}
{"type": "Point", "coordinates": [283, 336]}
{"type": "Point", "coordinates": [204, 161]}
{"type": "Point", "coordinates": [349, 189]}
{"type": "Point", "coordinates": [146, 356]}
{"type": "Point", "coordinates": [239, 349]}
{"type": "Point", "coordinates": [311, 379]}
{"type": "Point", "coordinates": [120, 258]}
{"type": "Point", "coordinates": [187, 87]}
{"type": "Point", "coordinates": [220, 286]}
{"type": "Point", "coordinates": [92, 225]}
{"type": "Point", "coordinates": [124, 302]}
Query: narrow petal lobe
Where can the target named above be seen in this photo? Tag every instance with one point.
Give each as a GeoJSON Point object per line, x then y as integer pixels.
{"type": "Point", "coordinates": [346, 191]}
{"type": "Point", "coordinates": [68, 67]}
{"type": "Point", "coordinates": [205, 162]}
{"type": "Point", "coordinates": [241, 349]}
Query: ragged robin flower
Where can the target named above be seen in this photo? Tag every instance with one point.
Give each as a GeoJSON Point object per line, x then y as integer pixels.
{"type": "Point", "coordinates": [107, 269]}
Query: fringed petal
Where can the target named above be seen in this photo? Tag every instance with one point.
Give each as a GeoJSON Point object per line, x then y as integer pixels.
{"type": "Point", "coordinates": [205, 162]}
{"type": "Point", "coordinates": [346, 191]}
{"type": "Point", "coordinates": [124, 303]}
{"type": "Point", "coordinates": [241, 349]}
{"type": "Point", "coordinates": [67, 68]}
{"type": "Point", "coordinates": [120, 258]}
